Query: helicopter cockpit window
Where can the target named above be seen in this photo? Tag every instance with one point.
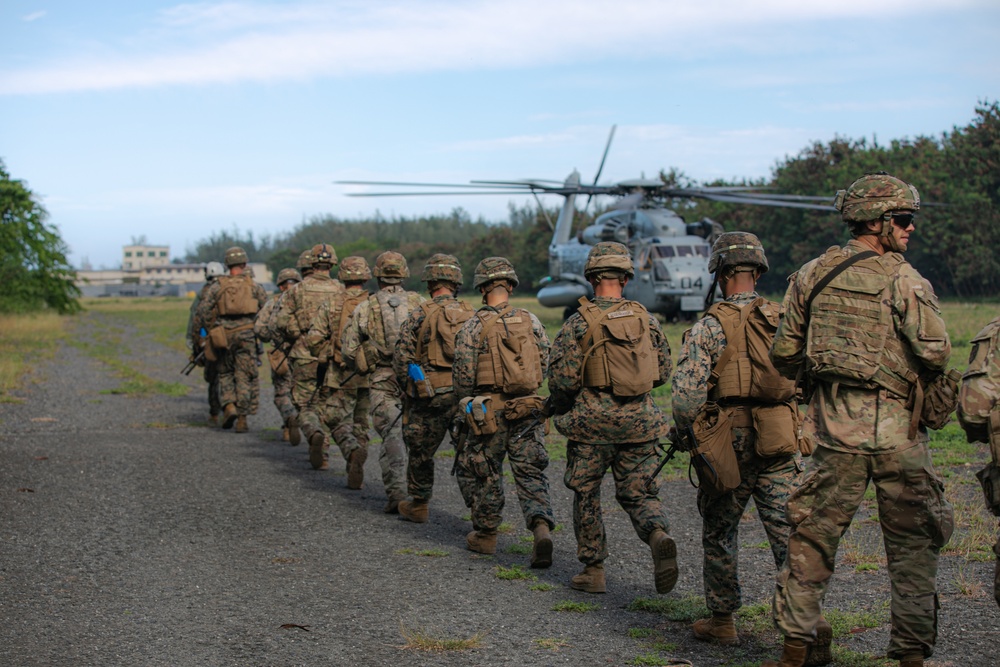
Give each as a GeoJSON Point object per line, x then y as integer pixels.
{"type": "Point", "coordinates": [664, 251]}
{"type": "Point", "coordinates": [702, 250]}
{"type": "Point", "coordinates": [660, 273]}
{"type": "Point", "coordinates": [685, 251]}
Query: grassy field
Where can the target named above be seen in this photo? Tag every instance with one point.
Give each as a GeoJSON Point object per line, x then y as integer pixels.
{"type": "Point", "coordinates": [25, 339]}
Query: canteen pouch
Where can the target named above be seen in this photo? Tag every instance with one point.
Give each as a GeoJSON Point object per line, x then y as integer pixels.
{"type": "Point", "coordinates": [777, 430]}
{"type": "Point", "coordinates": [480, 416]}
{"type": "Point", "coordinates": [217, 337]}
{"type": "Point", "coordinates": [278, 360]}
{"type": "Point", "coordinates": [210, 353]}
{"type": "Point", "coordinates": [713, 458]}
{"type": "Point", "coordinates": [525, 407]}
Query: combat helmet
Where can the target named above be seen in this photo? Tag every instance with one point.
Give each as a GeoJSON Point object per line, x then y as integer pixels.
{"type": "Point", "coordinates": [323, 253]}
{"type": "Point", "coordinates": [872, 197]}
{"type": "Point", "coordinates": [609, 256]}
{"type": "Point", "coordinates": [442, 268]}
{"type": "Point", "coordinates": [354, 269]}
{"type": "Point", "coordinates": [391, 268]}
{"type": "Point", "coordinates": [737, 249]}
{"type": "Point", "coordinates": [236, 256]}
{"type": "Point", "coordinates": [288, 274]}
{"type": "Point", "coordinates": [305, 262]}
{"type": "Point", "coordinates": [214, 270]}
{"type": "Point", "coordinates": [494, 268]}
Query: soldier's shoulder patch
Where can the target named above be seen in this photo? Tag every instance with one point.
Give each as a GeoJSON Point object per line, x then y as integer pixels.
{"type": "Point", "coordinates": [621, 313]}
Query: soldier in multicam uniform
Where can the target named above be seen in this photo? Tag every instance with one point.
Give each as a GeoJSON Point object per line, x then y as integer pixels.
{"type": "Point", "coordinates": [367, 345]}
{"type": "Point", "coordinates": [298, 308]}
{"type": "Point", "coordinates": [979, 415]}
{"type": "Point", "coordinates": [343, 403]}
{"type": "Point", "coordinates": [612, 421]}
{"type": "Point", "coordinates": [281, 377]}
{"type": "Point", "coordinates": [501, 355]}
{"type": "Point", "coordinates": [705, 377]}
{"type": "Point", "coordinates": [232, 302]}
{"type": "Point", "coordinates": [196, 341]}
{"type": "Point", "coordinates": [865, 338]}
{"type": "Point", "coordinates": [426, 341]}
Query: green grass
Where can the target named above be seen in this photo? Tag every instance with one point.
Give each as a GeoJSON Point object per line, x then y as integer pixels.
{"type": "Point", "coordinates": [543, 587]}
{"type": "Point", "coordinates": [513, 573]}
{"type": "Point", "coordinates": [25, 340]}
{"type": "Point", "coordinates": [519, 549]}
{"type": "Point", "coordinates": [649, 660]}
{"type": "Point", "coordinates": [641, 633]}
{"type": "Point", "coordinates": [428, 553]}
{"type": "Point", "coordinates": [550, 643]}
{"type": "Point", "coordinates": [684, 610]}
{"type": "Point", "coordinates": [576, 607]}
{"type": "Point", "coordinates": [423, 640]}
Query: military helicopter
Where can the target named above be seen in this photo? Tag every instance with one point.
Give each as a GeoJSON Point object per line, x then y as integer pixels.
{"type": "Point", "coordinates": [670, 255]}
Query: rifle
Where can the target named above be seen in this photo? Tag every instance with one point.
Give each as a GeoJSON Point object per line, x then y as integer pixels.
{"type": "Point", "coordinates": [260, 350]}
{"type": "Point", "coordinates": [193, 362]}
{"type": "Point", "coordinates": [460, 434]}
{"type": "Point", "coordinates": [671, 452]}
{"type": "Point", "coordinates": [538, 418]}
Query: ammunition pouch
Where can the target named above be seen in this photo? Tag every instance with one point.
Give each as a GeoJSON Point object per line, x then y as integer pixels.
{"type": "Point", "coordinates": [211, 356]}
{"type": "Point", "coordinates": [713, 457]}
{"type": "Point", "coordinates": [480, 415]}
{"type": "Point", "coordinates": [278, 360]}
{"type": "Point", "coordinates": [524, 407]}
{"type": "Point", "coordinates": [777, 428]}
{"type": "Point", "coordinates": [217, 338]}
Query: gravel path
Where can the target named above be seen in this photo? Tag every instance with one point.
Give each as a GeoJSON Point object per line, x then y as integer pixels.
{"type": "Point", "coordinates": [131, 534]}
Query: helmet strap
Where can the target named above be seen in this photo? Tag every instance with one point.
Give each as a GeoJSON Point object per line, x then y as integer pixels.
{"type": "Point", "coordinates": [887, 236]}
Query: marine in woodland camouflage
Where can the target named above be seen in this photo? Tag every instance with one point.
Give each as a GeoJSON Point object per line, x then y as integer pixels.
{"type": "Point", "coordinates": [483, 456]}
{"type": "Point", "coordinates": [769, 481]}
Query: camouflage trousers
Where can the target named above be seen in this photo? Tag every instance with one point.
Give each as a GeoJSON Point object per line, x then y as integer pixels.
{"type": "Point", "coordinates": [238, 381]}
{"type": "Point", "coordinates": [387, 411]}
{"type": "Point", "coordinates": [306, 396]}
{"type": "Point", "coordinates": [425, 424]}
{"type": "Point", "coordinates": [769, 481]}
{"type": "Point", "coordinates": [344, 413]}
{"type": "Point", "coordinates": [916, 522]}
{"type": "Point", "coordinates": [283, 395]}
{"type": "Point", "coordinates": [482, 460]}
{"type": "Point", "coordinates": [211, 375]}
{"type": "Point", "coordinates": [630, 465]}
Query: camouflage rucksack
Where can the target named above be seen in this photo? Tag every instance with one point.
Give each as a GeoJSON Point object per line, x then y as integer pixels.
{"type": "Point", "coordinates": [618, 349]}
{"type": "Point", "coordinates": [236, 296]}
{"type": "Point", "coordinates": [440, 325]}
{"type": "Point", "coordinates": [389, 309]}
{"type": "Point", "coordinates": [977, 399]}
{"type": "Point", "coordinates": [514, 364]}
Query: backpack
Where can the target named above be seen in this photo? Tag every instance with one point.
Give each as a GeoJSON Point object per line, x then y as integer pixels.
{"type": "Point", "coordinates": [618, 349]}
{"type": "Point", "coordinates": [346, 310]}
{"type": "Point", "coordinates": [514, 364]}
{"type": "Point", "coordinates": [389, 309]}
{"type": "Point", "coordinates": [440, 325]}
{"type": "Point", "coordinates": [236, 296]}
{"type": "Point", "coordinates": [977, 398]}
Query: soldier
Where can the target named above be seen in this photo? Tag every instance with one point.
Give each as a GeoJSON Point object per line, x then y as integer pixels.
{"type": "Point", "coordinates": [197, 332]}
{"type": "Point", "coordinates": [501, 356]}
{"type": "Point", "coordinates": [864, 328]}
{"type": "Point", "coordinates": [343, 403]}
{"type": "Point", "coordinates": [979, 415]}
{"type": "Point", "coordinates": [281, 377]}
{"type": "Point", "coordinates": [298, 308]}
{"type": "Point", "coordinates": [759, 403]}
{"type": "Point", "coordinates": [367, 345]}
{"type": "Point", "coordinates": [605, 360]}
{"type": "Point", "coordinates": [427, 343]}
{"type": "Point", "coordinates": [231, 303]}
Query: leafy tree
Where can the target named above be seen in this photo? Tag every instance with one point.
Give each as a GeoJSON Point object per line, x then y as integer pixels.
{"type": "Point", "coordinates": [34, 271]}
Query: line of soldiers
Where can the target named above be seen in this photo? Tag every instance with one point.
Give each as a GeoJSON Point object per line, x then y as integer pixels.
{"type": "Point", "coordinates": [859, 338]}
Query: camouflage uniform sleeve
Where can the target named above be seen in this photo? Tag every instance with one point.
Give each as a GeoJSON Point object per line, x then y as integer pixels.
{"type": "Point", "coordinates": [354, 333]}
{"type": "Point", "coordinates": [915, 306]}
{"type": "Point", "coordinates": [662, 346]}
{"type": "Point", "coordinates": [193, 327]}
{"type": "Point", "coordinates": [542, 339]}
{"type": "Point", "coordinates": [405, 351]}
{"type": "Point", "coordinates": [206, 309]}
{"type": "Point", "coordinates": [317, 339]}
{"type": "Point", "coordinates": [698, 355]}
{"type": "Point", "coordinates": [789, 345]}
{"type": "Point", "coordinates": [564, 364]}
{"type": "Point", "coordinates": [464, 366]}
{"type": "Point", "coordinates": [260, 295]}
{"type": "Point", "coordinates": [261, 321]}
{"type": "Point", "coordinates": [285, 322]}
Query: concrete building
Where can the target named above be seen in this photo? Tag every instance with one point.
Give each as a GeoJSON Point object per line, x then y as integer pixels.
{"type": "Point", "coordinates": [138, 257]}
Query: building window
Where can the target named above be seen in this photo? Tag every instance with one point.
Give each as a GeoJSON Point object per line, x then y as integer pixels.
{"type": "Point", "coordinates": [163, 253]}
{"type": "Point", "coordinates": [138, 253]}
{"type": "Point", "coordinates": [128, 253]}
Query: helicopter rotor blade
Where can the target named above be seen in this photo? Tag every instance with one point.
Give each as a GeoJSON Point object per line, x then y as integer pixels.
{"type": "Point", "coordinates": [432, 194]}
{"type": "Point", "coordinates": [477, 184]}
{"type": "Point", "coordinates": [600, 168]}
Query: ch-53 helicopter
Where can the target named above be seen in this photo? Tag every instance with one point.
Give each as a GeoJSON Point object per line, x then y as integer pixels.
{"type": "Point", "coordinates": [670, 255]}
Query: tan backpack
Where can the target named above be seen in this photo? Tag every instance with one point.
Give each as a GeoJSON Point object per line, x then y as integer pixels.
{"type": "Point", "coordinates": [236, 296]}
{"type": "Point", "coordinates": [440, 326]}
{"type": "Point", "coordinates": [618, 349]}
{"type": "Point", "coordinates": [514, 364]}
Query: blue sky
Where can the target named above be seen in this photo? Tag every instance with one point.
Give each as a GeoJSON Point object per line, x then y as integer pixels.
{"type": "Point", "coordinates": [176, 120]}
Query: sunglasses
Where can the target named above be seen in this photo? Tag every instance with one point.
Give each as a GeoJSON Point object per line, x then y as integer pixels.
{"type": "Point", "coordinates": [904, 220]}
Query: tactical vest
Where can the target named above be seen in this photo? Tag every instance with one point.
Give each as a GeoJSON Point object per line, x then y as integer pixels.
{"type": "Point", "coordinates": [513, 363]}
{"type": "Point", "coordinates": [978, 405]}
{"type": "Point", "coordinates": [618, 349]}
{"type": "Point", "coordinates": [852, 339]}
{"type": "Point", "coordinates": [262, 323]}
{"type": "Point", "coordinates": [236, 296]}
{"type": "Point", "coordinates": [744, 369]}
{"type": "Point", "coordinates": [440, 325]}
{"type": "Point", "coordinates": [340, 316]}
{"type": "Point", "coordinates": [311, 294]}
{"type": "Point", "coordinates": [388, 312]}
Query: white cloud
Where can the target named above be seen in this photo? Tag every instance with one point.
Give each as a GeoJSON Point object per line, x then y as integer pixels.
{"type": "Point", "coordinates": [34, 16]}
{"type": "Point", "coordinates": [229, 42]}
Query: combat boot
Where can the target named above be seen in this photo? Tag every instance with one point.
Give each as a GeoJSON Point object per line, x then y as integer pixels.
{"type": "Point", "coordinates": [413, 510]}
{"type": "Point", "coordinates": [294, 434]}
{"type": "Point", "coordinates": [541, 550]}
{"type": "Point", "coordinates": [284, 434]}
{"type": "Point", "coordinates": [213, 420]}
{"type": "Point", "coordinates": [794, 655]}
{"type": "Point", "coordinates": [316, 455]}
{"type": "Point", "coordinates": [664, 561]}
{"type": "Point", "coordinates": [229, 415]}
{"type": "Point", "coordinates": [591, 580]}
{"type": "Point", "coordinates": [392, 505]}
{"type": "Point", "coordinates": [241, 424]}
{"type": "Point", "coordinates": [356, 468]}
{"type": "Point", "coordinates": [720, 628]}
{"type": "Point", "coordinates": [819, 652]}
{"type": "Point", "coordinates": [482, 541]}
